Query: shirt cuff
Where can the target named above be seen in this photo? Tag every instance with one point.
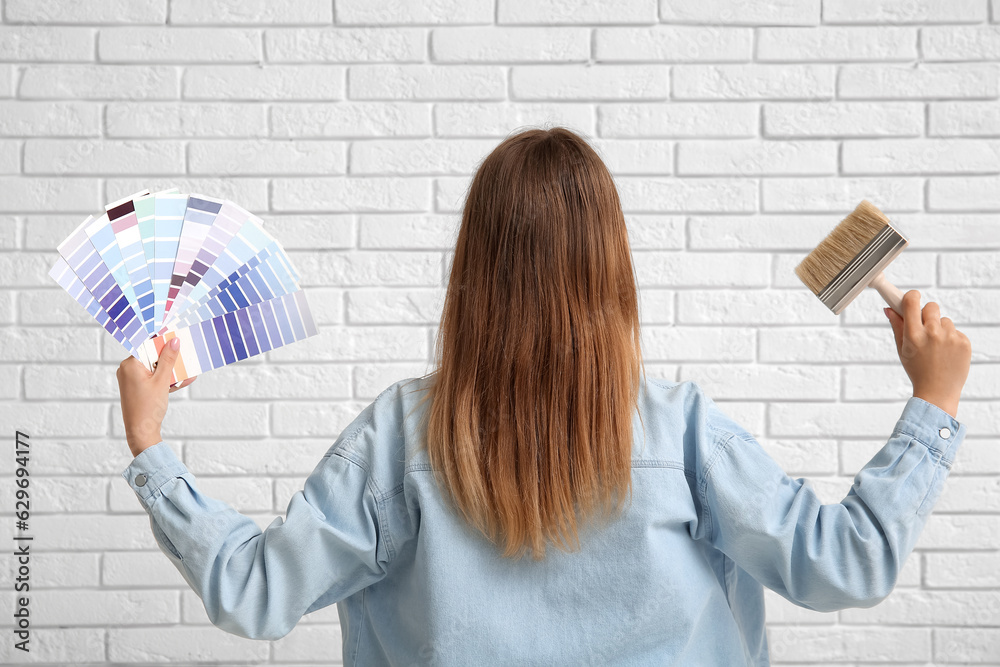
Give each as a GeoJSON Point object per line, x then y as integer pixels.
{"type": "Point", "coordinates": [151, 469]}
{"type": "Point", "coordinates": [933, 427]}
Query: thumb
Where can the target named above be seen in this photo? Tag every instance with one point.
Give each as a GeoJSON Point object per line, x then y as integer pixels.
{"type": "Point", "coordinates": [165, 362]}
{"type": "Point", "coordinates": [897, 327]}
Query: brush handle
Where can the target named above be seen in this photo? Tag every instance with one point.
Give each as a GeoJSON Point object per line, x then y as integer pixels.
{"type": "Point", "coordinates": [892, 294]}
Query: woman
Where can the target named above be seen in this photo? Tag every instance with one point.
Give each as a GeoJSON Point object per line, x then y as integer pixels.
{"type": "Point", "coordinates": [429, 518]}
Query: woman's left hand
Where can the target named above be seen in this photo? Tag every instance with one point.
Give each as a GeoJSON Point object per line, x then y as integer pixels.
{"type": "Point", "coordinates": [144, 397]}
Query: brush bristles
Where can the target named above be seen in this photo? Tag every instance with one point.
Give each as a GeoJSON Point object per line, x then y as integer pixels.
{"type": "Point", "coordinates": [841, 246]}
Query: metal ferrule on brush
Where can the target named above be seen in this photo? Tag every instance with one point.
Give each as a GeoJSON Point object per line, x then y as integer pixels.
{"type": "Point", "coordinates": [855, 277]}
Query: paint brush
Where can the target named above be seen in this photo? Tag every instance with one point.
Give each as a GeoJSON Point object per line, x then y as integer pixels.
{"type": "Point", "coordinates": [853, 257]}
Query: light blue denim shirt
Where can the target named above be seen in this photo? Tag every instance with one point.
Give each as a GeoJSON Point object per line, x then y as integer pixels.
{"type": "Point", "coordinates": [677, 580]}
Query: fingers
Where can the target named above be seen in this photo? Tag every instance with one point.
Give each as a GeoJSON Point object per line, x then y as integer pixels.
{"type": "Point", "coordinates": [897, 326]}
{"type": "Point", "coordinates": [912, 319]}
{"type": "Point", "coordinates": [165, 362]}
{"type": "Point", "coordinates": [947, 324]}
{"type": "Point", "coordinates": [932, 316]}
{"type": "Point", "coordinates": [183, 384]}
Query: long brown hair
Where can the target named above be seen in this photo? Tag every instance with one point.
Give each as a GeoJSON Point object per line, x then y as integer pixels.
{"type": "Point", "coordinates": [538, 353]}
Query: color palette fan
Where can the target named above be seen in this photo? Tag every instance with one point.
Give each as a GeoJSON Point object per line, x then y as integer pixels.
{"type": "Point", "coordinates": [157, 266]}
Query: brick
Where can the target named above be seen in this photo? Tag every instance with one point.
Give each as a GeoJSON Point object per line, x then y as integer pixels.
{"type": "Point", "coordinates": [783, 12]}
{"type": "Point", "coordinates": [250, 193]}
{"type": "Point", "coordinates": [756, 382]}
{"type": "Point", "coordinates": [960, 43]}
{"type": "Point", "coordinates": [7, 78]}
{"type": "Point", "coordinates": [151, 82]}
{"type": "Point", "coordinates": [255, 12]}
{"type": "Point", "coordinates": [963, 193]}
{"type": "Point", "coordinates": [832, 419]}
{"type": "Point", "coordinates": [903, 11]}
{"type": "Point", "coordinates": [63, 381]}
{"type": "Point", "coordinates": [363, 268]}
{"type": "Point", "coordinates": [271, 82]}
{"type": "Point", "coordinates": [843, 119]}
{"type": "Point", "coordinates": [201, 419]}
{"type": "Point", "coordinates": [314, 420]}
{"type": "Point", "coordinates": [968, 645]}
{"type": "Point", "coordinates": [836, 44]}
{"type": "Point", "coordinates": [958, 531]}
{"type": "Point", "coordinates": [102, 157]}
{"type": "Point", "coordinates": [371, 379]}
{"type": "Point", "coordinates": [58, 570]}
{"type": "Point", "coordinates": [263, 157]}
{"type": "Point", "coordinates": [681, 343]}
{"type": "Point", "coordinates": [450, 192]}
{"type": "Point", "coordinates": [679, 195]}
{"type": "Point", "coordinates": [61, 645]}
{"type": "Point", "coordinates": [88, 11]}
{"type": "Point", "coordinates": [655, 232]}
{"type": "Point", "coordinates": [623, 157]}
{"type": "Point", "coordinates": [701, 269]}
{"type": "Point", "coordinates": [351, 119]}
{"type": "Point", "coordinates": [753, 81]}
{"type": "Point", "coordinates": [972, 494]}
{"type": "Point", "coordinates": [752, 306]}
{"type": "Point", "coordinates": [43, 194]}
{"type": "Point", "coordinates": [372, 193]}
{"type": "Point", "coordinates": [278, 381]}
{"type": "Point", "coordinates": [841, 194]}
{"type": "Point", "coordinates": [576, 11]}
{"type": "Point", "coordinates": [788, 643]}
{"type": "Point", "coordinates": [138, 569]}
{"type": "Point", "coordinates": [826, 344]}
{"type": "Point", "coordinates": [185, 120]}
{"type": "Point", "coordinates": [673, 43]}
{"type": "Point", "coordinates": [919, 156]}
{"type": "Point", "coordinates": [312, 232]}
{"type": "Point", "coordinates": [678, 119]}
{"type": "Point", "coordinates": [23, 344]}
{"type": "Point", "coordinates": [424, 82]}
{"type": "Point", "coordinates": [919, 82]}
{"type": "Point", "coordinates": [355, 344]}
{"type": "Point", "coordinates": [422, 156]}
{"type": "Point", "coordinates": [963, 119]}
{"type": "Point", "coordinates": [479, 119]}
{"type": "Point", "coordinates": [977, 269]}
{"type": "Point", "coordinates": [960, 570]}
{"type": "Point", "coordinates": [388, 12]}
{"type": "Point", "coordinates": [260, 457]}
{"type": "Point", "coordinates": [10, 156]}
{"type": "Point", "coordinates": [45, 420]}
{"type": "Point", "coordinates": [172, 644]}
{"type": "Point", "coordinates": [930, 608]}
{"type": "Point", "coordinates": [10, 382]}
{"type": "Point", "coordinates": [758, 232]}
{"type": "Point", "coordinates": [756, 158]}
{"type": "Point", "coordinates": [656, 306]}
{"type": "Point", "coordinates": [46, 43]}
{"type": "Point", "coordinates": [406, 232]}
{"type": "Point", "coordinates": [175, 44]}
{"type": "Point", "coordinates": [509, 44]}
{"type": "Point", "coordinates": [395, 306]}
{"type": "Point", "coordinates": [577, 82]}
{"type": "Point", "coordinates": [345, 44]}
{"type": "Point", "coordinates": [69, 494]}
{"type": "Point", "coordinates": [59, 119]}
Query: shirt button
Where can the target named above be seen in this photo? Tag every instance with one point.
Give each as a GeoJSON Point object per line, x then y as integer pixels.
{"type": "Point", "coordinates": [945, 433]}
{"type": "Point", "coordinates": [140, 479]}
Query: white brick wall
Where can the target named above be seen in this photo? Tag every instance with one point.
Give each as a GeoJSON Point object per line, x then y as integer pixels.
{"type": "Point", "coordinates": [739, 133]}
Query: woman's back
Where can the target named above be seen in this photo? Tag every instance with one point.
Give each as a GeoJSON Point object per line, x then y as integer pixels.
{"type": "Point", "coordinates": [651, 587]}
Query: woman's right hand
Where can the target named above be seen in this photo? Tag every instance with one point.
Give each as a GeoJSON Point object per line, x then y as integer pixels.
{"type": "Point", "coordinates": [935, 355]}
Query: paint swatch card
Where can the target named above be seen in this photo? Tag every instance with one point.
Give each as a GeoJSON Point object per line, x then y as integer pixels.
{"type": "Point", "coordinates": [157, 266]}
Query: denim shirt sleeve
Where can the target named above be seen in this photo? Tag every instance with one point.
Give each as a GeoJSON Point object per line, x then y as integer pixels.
{"type": "Point", "coordinates": [826, 556]}
{"type": "Point", "coordinates": [258, 584]}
